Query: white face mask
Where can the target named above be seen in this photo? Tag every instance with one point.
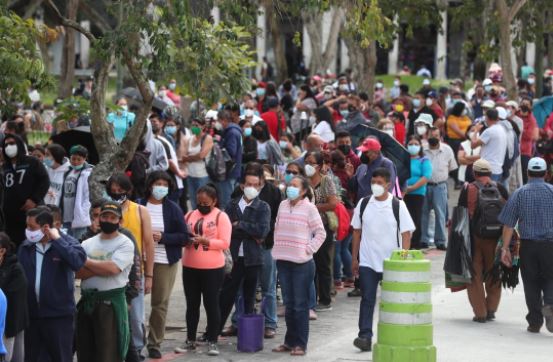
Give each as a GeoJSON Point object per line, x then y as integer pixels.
{"type": "Point", "coordinates": [309, 170]}
{"type": "Point", "coordinates": [11, 151]}
{"type": "Point", "coordinates": [428, 102]}
{"type": "Point", "coordinates": [377, 190]}
{"type": "Point", "coordinates": [421, 130]}
{"type": "Point", "coordinates": [396, 83]}
{"type": "Point", "coordinates": [34, 236]}
{"type": "Point", "coordinates": [250, 192]}
{"type": "Point", "coordinates": [471, 134]}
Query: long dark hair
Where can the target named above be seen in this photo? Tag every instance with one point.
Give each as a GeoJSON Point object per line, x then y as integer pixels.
{"type": "Point", "coordinates": [261, 131]}
{"type": "Point", "coordinates": [416, 138]}
{"type": "Point", "coordinates": [308, 93]}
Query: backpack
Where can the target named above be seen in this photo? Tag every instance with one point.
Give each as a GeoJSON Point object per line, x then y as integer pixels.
{"type": "Point", "coordinates": [344, 220]}
{"type": "Point", "coordinates": [395, 210]}
{"type": "Point", "coordinates": [489, 203]}
{"type": "Point", "coordinates": [137, 173]}
{"type": "Point", "coordinates": [219, 163]}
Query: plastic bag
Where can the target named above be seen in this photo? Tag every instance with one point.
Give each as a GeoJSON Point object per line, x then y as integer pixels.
{"type": "Point", "coordinates": [458, 258]}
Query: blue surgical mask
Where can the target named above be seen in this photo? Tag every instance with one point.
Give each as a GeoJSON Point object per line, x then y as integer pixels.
{"type": "Point", "coordinates": [283, 144]}
{"type": "Point", "coordinates": [288, 178]}
{"type": "Point", "coordinates": [172, 86]}
{"type": "Point", "coordinates": [260, 92]}
{"type": "Point", "coordinates": [248, 132]}
{"type": "Point", "coordinates": [413, 149]}
{"type": "Point", "coordinates": [292, 192]}
{"type": "Point", "coordinates": [77, 168]}
{"type": "Point", "coordinates": [48, 162]}
{"type": "Point", "coordinates": [344, 113]}
{"type": "Point", "coordinates": [171, 130]}
{"type": "Point", "coordinates": [159, 192]}
{"type": "Point", "coordinates": [488, 88]}
{"type": "Point", "coordinates": [416, 102]}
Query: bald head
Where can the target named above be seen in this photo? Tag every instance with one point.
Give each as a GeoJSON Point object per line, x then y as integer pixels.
{"type": "Point", "coordinates": [314, 143]}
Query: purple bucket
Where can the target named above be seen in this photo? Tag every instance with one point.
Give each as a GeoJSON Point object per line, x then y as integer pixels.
{"type": "Point", "coordinates": [251, 330]}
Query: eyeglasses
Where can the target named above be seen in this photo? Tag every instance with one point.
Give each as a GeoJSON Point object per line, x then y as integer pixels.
{"type": "Point", "coordinates": [290, 172]}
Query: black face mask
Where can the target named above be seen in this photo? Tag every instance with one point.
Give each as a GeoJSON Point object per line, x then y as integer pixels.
{"type": "Point", "coordinates": [345, 149]}
{"type": "Point", "coordinates": [119, 198]}
{"type": "Point", "coordinates": [365, 159]}
{"type": "Point", "coordinates": [525, 108]}
{"type": "Point", "coordinates": [257, 133]}
{"type": "Point", "coordinates": [204, 210]}
{"type": "Point", "coordinates": [433, 141]}
{"type": "Point", "coordinates": [108, 227]}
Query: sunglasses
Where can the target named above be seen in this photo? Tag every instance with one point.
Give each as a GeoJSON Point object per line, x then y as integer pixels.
{"type": "Point", "coordinates": [290, 172]}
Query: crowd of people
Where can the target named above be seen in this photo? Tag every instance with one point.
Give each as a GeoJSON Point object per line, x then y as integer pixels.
{"type": "Point", "coordinates": [280, 188]}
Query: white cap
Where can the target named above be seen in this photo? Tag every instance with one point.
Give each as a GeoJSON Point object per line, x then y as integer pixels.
{"type": "Point", "coordinates": [501, 113]}
{"type": "Point", "coordinates": [488, 104]}
{"type": "Point", "coordinates": [537, 164]}
{"type": "Point", "coordinates": [379, 85]}
{"type": "Point", "coordinates": [487, 81]}
{"type": "Point", "coordinates": [303, 116]}
{"type": "Point", "coordinates": [513, 104]}
{"type": "Point", "coordinates": [328, 89]}
{"type": "Point", "coordinates": [211, 114]}
{"type": "Point", "coordinates": [426, 119]}
{"type": "Point", "coordinates": [426, 81]}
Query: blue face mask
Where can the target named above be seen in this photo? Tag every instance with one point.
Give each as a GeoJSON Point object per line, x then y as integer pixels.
{"type": "Point", "coordinates": [416, 103]}
{"type": "Point", "coordinates": [413, 149]}
{"type": "Point", "coordinates": [48, 162]}
{"type": "Point", "coordinates": [159, 192]}
{"type": "Point", "coordinates": [283, 144]}
{"type": "Point", "coordinates": [260, 92]}
{"type": "Point", "coordinates": [248, 132]}
{"type": "Point", "coordinates": [344, 112]}
{"type": "Point", "coordinates": [77, 168]}
{"type": "Point", "coordinates": [171, 130]}
{"type": "Point", "coordinates": [292, 192]}
{"type": "Point", "coordinates": [288, 178]}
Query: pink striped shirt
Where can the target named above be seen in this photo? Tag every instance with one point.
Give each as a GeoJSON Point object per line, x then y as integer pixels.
{"type": "Point", "coordinates": [299, 232]}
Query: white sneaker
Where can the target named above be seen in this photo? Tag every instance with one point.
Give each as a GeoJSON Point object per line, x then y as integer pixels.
{"type": "Point", "coordinates": [185, 347]}
{"type": "Point", "coordinates": [213, 350]}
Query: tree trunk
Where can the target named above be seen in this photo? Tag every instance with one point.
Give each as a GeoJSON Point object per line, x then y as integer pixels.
{"type": "Point", "coordinates": [67, 72]}
{"type": "Point", "coordinates": [331, 49]}
{"type": "Point", "coordinates": [312, 20]}
{"type": "Point", "coordinates": [538, 62]}
{"type": "Point", "coordinates": [363, 64]}
{"type": "Point", "coordinates": [278, 44]}
{"type": "Point", "coordinates": [505, 46]}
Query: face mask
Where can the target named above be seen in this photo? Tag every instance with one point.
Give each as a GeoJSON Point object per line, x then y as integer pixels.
{"type": "Point", "coordinates": [488, 88]}
{"type": "Point", "coordinates": [196, 130]}
{"type": "Point", "coordinates": [327, 96]}
{"type": "Point", "coordinates": [421, 130]}
{"type": "Point", "coordinates": [124, 108]}
{"type": "Point", "coordinates": [204, 210]}
{"type": "Point", "coordinates": [344, 113]}
{"type": "Point", "coordinates": [309, 170]}
{"type": "Point", "coordinates": [471, 134]}
{"type": "Point", "coordinates": [118, 198]}
{"type": "Point", "coordinates": [159, 192]}
{"type": "Point", "coordinates": [314, 90]}
{"type": "Point", "coordinates": [531, 81]}
{"type": "Point", "coordinates": [172, 86]}
{"type": "Point", "coordinates": [524, 108]}
{"type": "Point", "coordinates": [108, 227]}
{"type": "Point", "coordinates": [413, 149]}
{"type": "Point", "coordinates": [11, 151]}
{"type": "Point", "coordinates": [162, 93]}
{"type": "Point", "coordinates": [248, 132]}
{"type": "Point", "coordinates": [288, 178]}
{"type": "Point", "coordinates": [292, 192]}
{"type": "Point", "coordinates": [433, 142]}
{"type": "Point", "coordinates": [48, 162]}
{"type": "Point", "coordinates": [250, 192]}
{"type": "Point", "coordinates": [171, 130]}
{"type": "Point", "coordinates": [396, 83]}
{"type": "Point", "coordinates": [343, 87]}
{"type": "Point", "coordinates": [389, 131]}
{"type": "Point", "coordinates": [218, 126]}
{"type": "Point", "coordinates": [34, 236]}
{"type": "Point", "coordinates": [416, 103]}
{"type": "Point", "coordinates": [283, 144]}
{"type": "Point", "coordinates": [428, 102]}
{"type": "Point", "coordinates": [379, 85]}
{"type": "Point", "coordinates": [260, 92]}
{"type": "Point", "coordinates": [378, 190]}
{"type": "Point", "coordinates": [77, 168]}
{"type": "Point", "coordinates": [345, 149]}
{"type": "Point", "coordinates": [399, 107]}
{"type": "Point", "coordinates": [258, 133]}
{"type": "Point", "coordinates": [509, 113]}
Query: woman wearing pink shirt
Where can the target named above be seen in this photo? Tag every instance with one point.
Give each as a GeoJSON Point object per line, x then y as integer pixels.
{"type": "Point", "coordinates": [299, 233]}
{"type": "Point", "coordinates": [203, 268]}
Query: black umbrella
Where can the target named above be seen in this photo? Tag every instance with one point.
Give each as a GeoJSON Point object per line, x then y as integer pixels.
{"type": "Point", "coordinates": [78, 136]}
{"type": "Point", "coordinates": [135, 98]}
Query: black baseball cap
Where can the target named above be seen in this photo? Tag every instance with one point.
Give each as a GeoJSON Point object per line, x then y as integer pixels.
{"type": "Point", "coordinates": [113, 207]}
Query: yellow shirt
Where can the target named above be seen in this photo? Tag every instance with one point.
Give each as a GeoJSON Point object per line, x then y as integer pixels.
{"type": "Point", "coordinates": [462, 122]}
{"type": "Point", "coordinates": [133, 222]}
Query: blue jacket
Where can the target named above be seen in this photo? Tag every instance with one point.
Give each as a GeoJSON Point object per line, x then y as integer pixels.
{"type": "Point", "coordinates": [360, 183]}
{"type": "Point", "coordinates": [175, 234]}
{"type": "Point", "coordinates": [252, 229]}
{"type": "Point", "coordinates": [232, 142]}
{"type": "Point", "coordinates": [64, 257]}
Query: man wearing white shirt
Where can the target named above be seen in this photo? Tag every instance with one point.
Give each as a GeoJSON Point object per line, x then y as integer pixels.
{"type": "Point", "coordinates": [376, 234]}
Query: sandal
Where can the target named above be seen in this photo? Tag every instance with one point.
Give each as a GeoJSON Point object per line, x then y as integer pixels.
{"type": "Point", "coordinates": [297, 351]}
{"type": "Point", "coordinates": [282, 348]}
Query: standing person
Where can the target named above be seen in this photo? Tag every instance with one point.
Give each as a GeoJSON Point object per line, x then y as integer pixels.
{"type": "Point", "coordinates": [56, 165]}
{"type": "Point", "coordinates": [268, 150]}
{"type": "Point", "coordinates": [324, 124]}
{"type": "Point", "coordinates": [195, 151]}
{"type": "Point", "coordinates": [50, 260]}
{"type": "Point", "coordinates": [102, 320]}
{"type": "Point", "coordinates": [457, 125]}
{"type": "Point", "coordinates": [467, 156]}
{"type": "Point", "coordinates": [14, 284]}
{"type": "Point", "coordinates": [121, 119]}
{"type": "Point", "coordinates": [326, 199]}
{"type": "Point", "coordinates": [75, 200]}
{"type": "Point", "coordinates": [443, 162]}
{"type": "Point", "coordinates": [274, 118]}
{"type": "Point", "coordinates": [419, 107]}
{"type": "Point", "coordinates": [25, 182]}
{"type": "Point", "coordinates": [484, 295]}
{"type": "Point", "coordinates": [137, 220]}
{"type": "Point", "coordinates": [203, 267]}
{"type": "Point", "coordinates": [421, 173]}
{"type": "Point", "coordinates": [530, 134]}
{"type": "Point", "coordinates": [493, 141]}
{"type": "Point", "coordinates": [170, 235]}
{"type": "Point", "coordinates": [232, 143]}
{"type": "Point", "coordinates": [376, 234]}
{"type": "Point", "coordinates": [250, 218]}
{"type": "Point", "coordinates": [299, 233]}
{"type": "Point", "coordinates": [344, 144]}
{"type": "Point", "coordinates": [530, 208]}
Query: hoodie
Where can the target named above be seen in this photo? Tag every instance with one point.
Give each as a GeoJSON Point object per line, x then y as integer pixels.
{"type": "Point", "coordinates": [158, 158]}
{"type": "Point", "coordinates": [232, 142]}
{"type": "Point", "coordinates": [56, 176]}
{"type": "Point", "coordinates": [81, 216]}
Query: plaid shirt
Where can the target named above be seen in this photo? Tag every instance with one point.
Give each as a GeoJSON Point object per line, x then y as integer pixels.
{"type": "Point", "coordinates": [531, 206]}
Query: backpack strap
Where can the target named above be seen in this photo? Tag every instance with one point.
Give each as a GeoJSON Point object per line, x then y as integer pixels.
{"type": "Point", "coordinates": [364, 202]}
{"type": "Point", "coordinates": [395, 209]}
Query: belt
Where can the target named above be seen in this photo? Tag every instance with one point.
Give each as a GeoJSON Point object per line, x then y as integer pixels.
{"type": "Point", "coordinates": [435, 183]}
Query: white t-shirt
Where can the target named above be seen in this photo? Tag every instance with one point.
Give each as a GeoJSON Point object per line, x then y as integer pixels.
{"type": "Point", "coordinates": [119, 250]}
{"type": "Point", "coordinates": [378, 232]}
{"type": "Point", "coordinates": [156, 214]}
{"type": "Point", "coordinates": [324, 131]}
{"type": "Point", "coordinates": [494, 147]}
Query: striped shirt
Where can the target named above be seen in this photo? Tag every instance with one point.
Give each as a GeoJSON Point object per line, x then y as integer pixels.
{"type": "Point", "coordinates": [531, 206]}
{"type": "Point", "coordinates": [299, 232]}
{"type": "Point", "coordinates": [443, 161]}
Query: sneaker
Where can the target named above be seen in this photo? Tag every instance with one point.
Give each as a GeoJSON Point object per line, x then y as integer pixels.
{"type": "Point", "coordinates": [154, 353]}
{"type": "Point", "coordinates": [203, 338]}
{"type": "Point", "coordinates": [312, 315]}
{"type": "Point", "coordinates": [490, 317]}
{"type": "Point", "coordinates": [479, 319]}
{"type": "Point", "coordinates": [533, 329]}
{"type": "Point", "coordinates": [355, 293]}
{"type": "Point", "coordinates": [186, 346]}
{"type": "Point", "coordinates": [231, 331]}
{"type": "Point", "coordinates": [441, 247]}
{"type": "Point", "coordinates": [213, 350]}
{"type": "Point", "coordinates": [364, 344]}
{"type": "Point", "coordinates": [323, 308]}
{"type": "Point", "coordinates": [547, 312]}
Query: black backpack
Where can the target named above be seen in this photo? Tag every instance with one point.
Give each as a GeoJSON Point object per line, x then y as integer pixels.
{"type": "Point", "coordinates": [485, 221]}
{"type": "Point", "coordinates": [395, 209]}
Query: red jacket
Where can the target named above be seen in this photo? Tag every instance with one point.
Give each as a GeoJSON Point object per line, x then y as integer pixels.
{"type": "Point", "coordinates": [271, 118]}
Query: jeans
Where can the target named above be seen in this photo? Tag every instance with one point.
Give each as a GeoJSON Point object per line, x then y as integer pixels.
{"type": "Point", "coordinates": [342, 258]}
{"type": "Point", "coordinates": [136, 321]}
{"type": "Point", "coordinates": [499, 179]}
{"type": "Point", "coordinates": [368, 281]}
{"type": "Point", "coordinates": [415, 204]}
{"type": "Point", "coordinates": [295, 280]}
{"type": "Point", "coordinates": [224, 191]}
{"type": "Point", "coordinates": [436, 198]}
{"type": "Point", "coordinates": [77, 233]}
{"type": "Point", "coordinates": [194, 183]}
{"type": "Point", "coordinates": [324, 262]}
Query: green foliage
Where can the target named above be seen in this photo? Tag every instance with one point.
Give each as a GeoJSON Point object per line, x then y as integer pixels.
{"type": "Point", "coordinates": [20, 62]}
{"type": "Point", "coordinates": [72, 108]}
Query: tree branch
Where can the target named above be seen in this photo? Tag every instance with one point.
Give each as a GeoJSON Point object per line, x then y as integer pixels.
{"type": "Point", "coordinates": [515, 8]}
{"type": "Point", "coordinates": [96, 17]}
{"type": "Point", "coordinates": [100, 129]}
{"type": "Point", "coordinates": [70, 23]}
{"type": "Point", "coordinates": [31, 8]}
